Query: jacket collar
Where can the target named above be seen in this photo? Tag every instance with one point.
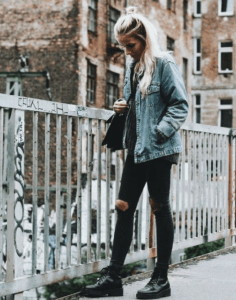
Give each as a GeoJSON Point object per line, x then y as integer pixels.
{"type": "Point", "coordinates": [132, 63]}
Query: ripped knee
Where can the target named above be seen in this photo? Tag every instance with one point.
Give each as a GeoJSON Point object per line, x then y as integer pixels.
{"type": "Point", "coordinates": [122, 205]}
{"type": "Point", "coordinates": [155, 206]}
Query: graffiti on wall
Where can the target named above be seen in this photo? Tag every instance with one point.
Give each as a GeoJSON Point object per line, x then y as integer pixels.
{"type": "Point", "coordinates": [51, 107]}
{"type": "Point", "coordinates": [19, 183]}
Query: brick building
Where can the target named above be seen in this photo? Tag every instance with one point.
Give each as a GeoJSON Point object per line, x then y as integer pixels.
{"type": "Point", "coordinates": [213, 79]}
{"type": "Point", "coordinates": [73, 41]}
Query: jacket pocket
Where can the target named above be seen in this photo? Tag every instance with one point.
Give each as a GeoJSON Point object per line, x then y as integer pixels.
{"type": "Point", "coordinates": [154, 87]}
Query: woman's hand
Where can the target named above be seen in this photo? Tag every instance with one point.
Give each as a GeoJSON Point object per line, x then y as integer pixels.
{"type": "Point", "coordinates": [120, 106]}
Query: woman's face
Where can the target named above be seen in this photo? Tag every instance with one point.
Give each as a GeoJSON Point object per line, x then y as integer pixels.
{"type": "Point", "coordinates": [133, 46]}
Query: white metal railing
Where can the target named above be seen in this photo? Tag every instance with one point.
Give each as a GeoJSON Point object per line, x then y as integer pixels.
{"type": "Point", "coordinates": [46, 151]}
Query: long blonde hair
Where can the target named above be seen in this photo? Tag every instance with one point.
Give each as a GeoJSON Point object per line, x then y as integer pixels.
{"type": "Point", "coordinates": [136, 25]}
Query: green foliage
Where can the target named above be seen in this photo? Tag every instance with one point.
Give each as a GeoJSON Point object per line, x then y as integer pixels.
{"type": "Point", "coordinates": [204, 248]}
{"type": "Point", "coordinates": [127, 270]}
{"type": "Point", "coordinates": [69, 287]}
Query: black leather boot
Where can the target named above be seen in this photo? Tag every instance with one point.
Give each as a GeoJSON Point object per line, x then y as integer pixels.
{"type": "Point", "coordinates": [108, 284]}
{"type": "Point", "coordinates": [158, 287]}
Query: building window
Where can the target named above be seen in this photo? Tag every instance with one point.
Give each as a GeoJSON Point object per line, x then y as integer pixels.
{"type": "Point", "coordinates": [170, 44]}
{"type": "Point", "coordinates": [197, 56]}
{"type": "Point", "coordinates": [185, 71]}
{"type": "Point", "coordinates": [225, 113]}
{"type": "Point", "coordinates": [185, 14]}
{"type": "Point", "coordinates": [113, 17]}
{"type": "Point", "coordinates": [226, 7]}
{"type": "Point", "coordinates": [14, 86]}
{"type": "Point", "coordinates": [197, 8]}
{"type": "Point", "coordinates": [91, 83]}
{"type": "Point", "coordinates": [197, 109]}
{"type": "Point", "coordinates": [225, 59]}
{"type": "Point", "coordinates": [92, 16]}
{"type": "Point", "coordinates": [112, 88]}
{"type": "Point", "coordinates": [169, 4]}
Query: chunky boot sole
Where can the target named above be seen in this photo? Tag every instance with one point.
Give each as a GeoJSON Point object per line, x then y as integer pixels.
{"type": "Point", "coordinates": [112, 292]}
{"type": "Point", "coordinates": [165, 293]}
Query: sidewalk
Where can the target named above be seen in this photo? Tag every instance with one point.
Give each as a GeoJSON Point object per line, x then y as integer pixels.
{"type": "Point", "coordinates": [209, 277]}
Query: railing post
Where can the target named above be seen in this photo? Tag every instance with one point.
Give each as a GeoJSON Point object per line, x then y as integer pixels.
{"type": "Point", "coordinates": [15, 207]}
{"type": "Point", "coordinates": [229, 241]}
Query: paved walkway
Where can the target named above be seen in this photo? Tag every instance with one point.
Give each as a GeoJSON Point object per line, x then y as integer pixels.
{"type": "Point", "coordinates": [210, 277]}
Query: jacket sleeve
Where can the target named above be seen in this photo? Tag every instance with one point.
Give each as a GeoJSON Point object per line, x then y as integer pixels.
{"type": "Point", "coordinates": [175, 96]}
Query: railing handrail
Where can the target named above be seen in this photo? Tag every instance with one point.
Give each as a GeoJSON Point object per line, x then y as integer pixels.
{"type": "Point", "coordinates": [46, 106]}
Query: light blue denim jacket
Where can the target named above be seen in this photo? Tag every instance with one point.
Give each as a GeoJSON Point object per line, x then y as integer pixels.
{"type": "Point", "coordinates": [161, 113]}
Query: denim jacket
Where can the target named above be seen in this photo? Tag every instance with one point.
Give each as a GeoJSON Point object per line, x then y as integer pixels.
{"type": "Point", "coordinates": [160, 114]}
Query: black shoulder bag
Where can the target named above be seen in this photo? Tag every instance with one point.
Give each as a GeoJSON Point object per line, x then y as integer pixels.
{"type": "Point", "coordinates": [114, 135]}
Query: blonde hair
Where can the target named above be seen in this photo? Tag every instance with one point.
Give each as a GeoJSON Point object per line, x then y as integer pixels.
{"type": "Point", "coordinates": [136, 25]}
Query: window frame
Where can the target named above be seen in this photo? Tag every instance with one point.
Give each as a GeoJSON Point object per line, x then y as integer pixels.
{"type": "Point", "coordinates": [224, 107]}
{"type": "Point", "coordinates": [185, 71]}
{"type": "Point", "coordinates": [197, 106]}
{"type": "Point", "coordinates": [169, 4]}
{"type": "Point", "coordinates": [16, 88]}
{"type": "Point", "coordinates": [195, 13]}
{"type": "Point", "coordinates": [91, 78]}
{"type": "Point", "coordinates": [108, 83]}
{"type": "Point", "coordinates": [171, 40]}
{"type": "Point", "coordinates": [196, 55]}
{"type": "Point", "coordinates": [111, 36]}
{"type": "Point", "coordinates": [185, 15]}
{"type": "Point", "coordinates": [94, 10]}
{"type": "Point", "coordinates": [223, 14]}
{"type": "Point", "coordinates": [219, 56]}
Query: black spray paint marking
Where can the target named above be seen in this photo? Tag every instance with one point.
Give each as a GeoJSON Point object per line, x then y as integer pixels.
{"type": "Point", "coordinates": [19, 177]}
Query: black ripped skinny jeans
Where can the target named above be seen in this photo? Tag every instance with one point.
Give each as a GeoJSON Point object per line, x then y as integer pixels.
{"type": "Point", "coordinates": [157, 175]}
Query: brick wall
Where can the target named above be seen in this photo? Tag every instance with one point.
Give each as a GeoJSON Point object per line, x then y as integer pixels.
{"type": "Point", "coordinates": [47, 31]}
{"type": "Point", "coordinates": [55, 35]}
{"type": "Point", "coordinates": [211, 84]}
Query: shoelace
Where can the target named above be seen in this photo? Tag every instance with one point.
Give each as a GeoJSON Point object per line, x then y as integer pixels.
{"type": "Point", "coordinates": [104, 273]}
{"type": "Point", "coordinates": [154, 277]}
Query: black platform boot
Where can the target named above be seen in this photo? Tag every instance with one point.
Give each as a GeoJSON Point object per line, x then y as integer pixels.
{"type": "Point", "coordinates": [158, 287]}
{"type": "Point", "coordinates": [108, 284]}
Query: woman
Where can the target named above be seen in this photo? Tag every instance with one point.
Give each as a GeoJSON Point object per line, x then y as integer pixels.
{"type": "Point", "coordinates": [155, 106]}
